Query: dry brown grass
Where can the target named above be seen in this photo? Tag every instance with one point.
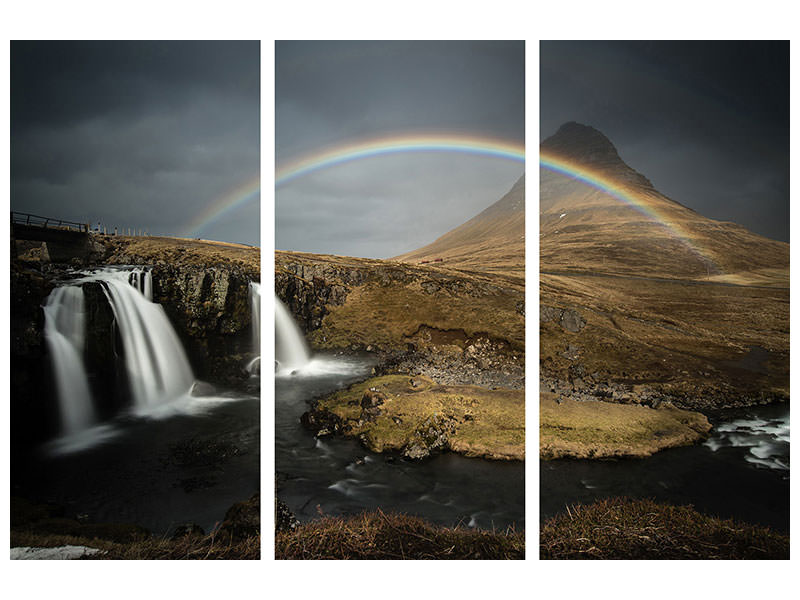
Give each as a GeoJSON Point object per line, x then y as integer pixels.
{"type": "Point", "coordinates": [487, 423]}
{"type": "Point", "coordinates": [641, 276]}
{"type": "Point", "coordinates": [209, 547]}
{"type": "Point", "coordinates": [394, 301]}
{"type": "Point", "coordinates": [491, 242]}
{"type": "Point", "coordinates": [604, 429]}
{"type": "Point", "coordinates": [669, 332]}
{"type": "Point", "coordinates": [188, 251]}
{"type": "Point", "coordinates": [379, 536]}
{"type": "Point", "coordinates": [621, 528]}
{"type": "Point", "coordinates": [585, 229]}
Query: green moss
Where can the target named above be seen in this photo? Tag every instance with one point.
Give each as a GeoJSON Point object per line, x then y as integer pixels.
{"type": "Point", "coordinates": [599, 429]}
{"type": "Point", "coordinates": [475, 421]}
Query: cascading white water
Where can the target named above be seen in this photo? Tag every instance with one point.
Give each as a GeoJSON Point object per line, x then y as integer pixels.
{"type": "Point", "coordinates": [142, 280]}
{"type": "Point", "coordinates": [156, 364]}
{"type": "Point", "coordinates": [254, 294]}
{"type": "Point", "coordinates": [64, 331]}
{"type": "Point", "coordinates": [291, 351]}
{"type": "Point", "coordinates": [159, 377]}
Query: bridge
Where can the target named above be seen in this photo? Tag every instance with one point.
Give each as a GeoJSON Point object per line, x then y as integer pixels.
{"type": "Point", "coordinates": [65, 239]}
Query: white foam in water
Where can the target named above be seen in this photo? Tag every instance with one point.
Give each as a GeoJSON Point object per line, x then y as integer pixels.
{"type": "Point", "coordinates": [348, 487]}
{"type": "Point", "coordinates": [293, 358]}
{"type": "Point", "coordinates": [767, 440]}
{"type": "Point", "coordinates": [322, 366]}
{"type": "Point", "coordinates": [81, 440]}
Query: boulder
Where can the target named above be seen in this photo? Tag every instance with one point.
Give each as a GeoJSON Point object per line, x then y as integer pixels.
{"type": "Point", "coordinates": [572, 321]}
{"type": "Point", "coordinates": [243, 519]}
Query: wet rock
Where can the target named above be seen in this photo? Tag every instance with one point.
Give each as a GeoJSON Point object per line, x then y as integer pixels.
{"type": "Point", "coordinates": [370, 414]}
{"type": "Point", "coordinates": [321, 422]}
{"type": "Point", "coordinates": [431, 436]}
{"type": "Point", "coordinates": [549, 313]}
{"type": "Point", "coordinates": [187, 530]}
{"type": "Point", "coordinates": [372, 398]}
{"type": "Point", "coordinates": [572, 352]}
{"type": "Point", "coordinates": [284, 518]}
{"type": "Point", "coordinates": [243, 519]}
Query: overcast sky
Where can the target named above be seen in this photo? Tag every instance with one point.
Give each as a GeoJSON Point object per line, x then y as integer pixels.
{"type": "Point", "coordinates": [146, 135]}
{"type": "Point", "coordinates": [706, 122]}
{"type": "Point", "coordinates": [332, 93]}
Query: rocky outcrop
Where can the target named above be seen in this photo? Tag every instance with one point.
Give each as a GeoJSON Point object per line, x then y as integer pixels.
{"type": "Point", "coordinates": [482, 362]}
{"type": "Point", "coordinates": [710, 398]}
{"type": "Point", "coordinates": [32, 409]}
{"type": "Point", "coordinates": [203, 288]}
{"type": "Point", "coordinates": [209, 309]}
{"type": "Point", "coordinates": [285, 521]}
{"type": "Point", "coordinates": [569, 319]}
{"type": "Point", "coordinates": [203, 291]}
{"type": "Point", "coordinates": [309, 289]}
{"type": "Point", "coordinates": [456, 328]}
{"type": "Point", "coordinates": [243, 520]}
{"type": "Point", "coordinates": [433, 435]}
{"type": "Point", "coordinates": [416, 418]}
{"type": "Point", "coordinates": [104, 358]}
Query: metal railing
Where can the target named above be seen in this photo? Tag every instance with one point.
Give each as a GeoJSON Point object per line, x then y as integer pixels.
{"type": "Point", "coordinates": [18, 218]}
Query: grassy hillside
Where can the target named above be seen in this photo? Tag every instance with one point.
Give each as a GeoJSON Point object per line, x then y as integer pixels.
{"type": "Point", "coordinates": [387, 304]}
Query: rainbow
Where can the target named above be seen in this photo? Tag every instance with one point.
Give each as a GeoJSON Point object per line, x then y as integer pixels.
{"type": "Point", "coordinates": [395, 144]}
{"type": "Point", "coordinates": [235, 198]}
{"type": "Point", "coordinates": [628, 195]}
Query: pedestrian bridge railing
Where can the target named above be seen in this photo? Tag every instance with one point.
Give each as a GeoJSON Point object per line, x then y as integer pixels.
{"type": "Point", "coordinates": [18, 218]}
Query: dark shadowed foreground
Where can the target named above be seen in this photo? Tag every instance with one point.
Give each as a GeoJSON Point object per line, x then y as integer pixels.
{"type": "Point", "coordinates": [378, 535]}
{"type": "Point", "coordinates": [620, 528]}
{"type": "Point", "coordinates": [237, 537]}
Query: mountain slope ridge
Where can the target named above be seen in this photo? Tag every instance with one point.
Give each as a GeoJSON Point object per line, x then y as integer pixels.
{"type": "Point", "coordinates": [638, 231]}
{"type": "Point", "coordinates": [492, 241]}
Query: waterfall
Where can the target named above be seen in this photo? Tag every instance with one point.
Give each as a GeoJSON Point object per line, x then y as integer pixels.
{"type": "Point", "coordinates": [64, 332]}
{"type": "Point", "coordinates": [142, 280]}
{"type": "Point", "coordinates": [156, 364]}
{"type": "Point", "coordinates": [157, 369]}
{"type": "Point", "coordinates": [254, 295]}
{"type": "Point", "coordinates": [290, 347]}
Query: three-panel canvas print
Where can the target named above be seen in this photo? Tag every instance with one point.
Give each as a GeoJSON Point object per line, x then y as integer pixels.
{"type": "Point", "coordinates": [398, 382]}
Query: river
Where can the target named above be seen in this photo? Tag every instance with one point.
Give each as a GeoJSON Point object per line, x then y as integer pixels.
{"type": "Point", "coordinates": [189, 467]}
{"type": "Point", "coordinates": [337, 476]}
{"type": "Point", "coordinates": [741, 472]}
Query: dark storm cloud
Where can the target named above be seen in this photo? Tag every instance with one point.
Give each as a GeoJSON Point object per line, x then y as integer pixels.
{"type": "Point", "coordinates": [144, 135]}
{"type": "Point", "coordinates": [706, 122]}
{"type": "Point", "coordinates": [329, 93]}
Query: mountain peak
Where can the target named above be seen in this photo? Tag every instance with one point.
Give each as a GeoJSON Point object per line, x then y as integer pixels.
{"type": "Point", "coordinates": [587, 146]}
{"type": "Point", "coordinates": [582, 142]}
